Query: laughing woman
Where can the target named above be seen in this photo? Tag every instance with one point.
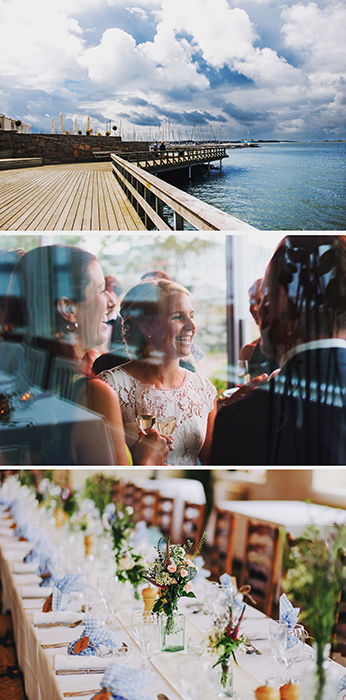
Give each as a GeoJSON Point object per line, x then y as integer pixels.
{"type": "Point", "coordinates": [158, 328]}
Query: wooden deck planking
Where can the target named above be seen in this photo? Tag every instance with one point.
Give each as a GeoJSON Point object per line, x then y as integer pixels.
{"type": "Point", "coordinates": [65, 197]}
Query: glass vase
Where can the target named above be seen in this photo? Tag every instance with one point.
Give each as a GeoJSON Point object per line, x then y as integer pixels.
{"type": "Point", "coordinates": [223, 679]}
{"type": "Point", "coordinates": [172, 632]}
{"type": "Point", "coordinates": [320, 681]}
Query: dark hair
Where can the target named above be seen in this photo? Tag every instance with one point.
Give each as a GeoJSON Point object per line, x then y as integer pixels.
{"type": "Point", "coordinates": [41, 277]}
{"type": "Point", "coordinates": [143, 303]}
{"type": "Point", "coordinates": [312, 270]}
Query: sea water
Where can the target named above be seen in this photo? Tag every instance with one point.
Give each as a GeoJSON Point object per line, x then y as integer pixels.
{"type": "Point", "coordinates": [292, 186]}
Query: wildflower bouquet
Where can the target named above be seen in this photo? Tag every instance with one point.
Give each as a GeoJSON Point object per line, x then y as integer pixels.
{"type": "Point", "coordinates": [224, 641]}
{"type": "Point", "coordinates": [315, 577]}
{"type": "Point", "coordinates": [172, 572]}
{"type": "Point", "coordinates": [130, 565]}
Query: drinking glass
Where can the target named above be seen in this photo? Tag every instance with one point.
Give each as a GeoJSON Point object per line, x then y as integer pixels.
{"type": "Point", "coordinates": [166, 425]}
{"type": "Point", "coordinates": [145, 630]}
{"type": "Point", "coordinates": [145, 421]}
{"type": "Point", "coordinates": [296, 649]}
{"type": "Point", "coordinates": [243, 371]}
{"type": "Point", "coordinates": [278, 639]}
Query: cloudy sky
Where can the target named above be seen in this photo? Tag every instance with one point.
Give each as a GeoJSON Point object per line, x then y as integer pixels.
{"type": "Point", "coordinates": [177, 68]}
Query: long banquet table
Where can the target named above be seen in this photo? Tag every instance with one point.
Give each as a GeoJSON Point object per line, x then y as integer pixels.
{"type": "Point", "coordinates": [170, 671]}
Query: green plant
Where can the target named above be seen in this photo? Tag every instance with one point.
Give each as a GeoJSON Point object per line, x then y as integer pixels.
{"type": "Point", "coordinates": [225, 641]}
{"type": "Point", "coordinates": [315, 577]}
{"type": "Point", "coordinates": [98, 488]}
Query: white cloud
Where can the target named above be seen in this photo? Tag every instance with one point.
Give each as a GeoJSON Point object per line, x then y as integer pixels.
{"type": "Point", "coordinates": [39, 44]}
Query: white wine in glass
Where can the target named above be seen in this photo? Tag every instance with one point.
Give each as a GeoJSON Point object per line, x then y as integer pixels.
{"type": "Point", "coordinates": [166, 426]}
{"type": "Point", "coordinates": [243, 371]}
{"type": "Point", "coordinates": [146, 421]}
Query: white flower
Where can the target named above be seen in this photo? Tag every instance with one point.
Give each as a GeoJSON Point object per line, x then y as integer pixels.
{"type": "Point", "coordinates": [125, 562]}
{"type": "Point", "coordinates": [129, 510]}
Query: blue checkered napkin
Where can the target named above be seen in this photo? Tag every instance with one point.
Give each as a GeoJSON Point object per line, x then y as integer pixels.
{"type": "Point", "coordinates": [289, 614]}
{"type": "Point", "coordinates": [47, 565]}
{"type": "Point", "coordinates": [234, 599]}
{"type": "Point", "coordinates": [342, 688]}
{"type": "Point", "coordinates": [99, 637]}
{"type": "Point", "coordinates": [70, 583]}
{"type": "Point", "coordinates": [201, 572]}
{"type": "Point", "coordinates": [127, 681]}
{"type": "Point", "coordinates": [41, 546]}
{"type": "Point", "coordinates": [27, 531]}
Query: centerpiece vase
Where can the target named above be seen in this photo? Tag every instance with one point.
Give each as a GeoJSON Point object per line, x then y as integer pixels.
{"type": "Point", "coordinates": [320, 683]}
{"type": "Point", "coordinates": [172, 632]}
{"type": "Point", "coordinates": [223, 678]}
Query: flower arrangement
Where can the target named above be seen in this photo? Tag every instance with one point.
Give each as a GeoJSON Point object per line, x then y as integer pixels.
{"type": "Point", "coordinates": [130, 565]}
{"type": "Point", "coordinates": [224, 641]}
{"type": "Point", "coordinates": [315, 577]}
{"type": "Point", "coordinates": [98, 488]}
{"type": "Point", "coordinates": [172, 572]}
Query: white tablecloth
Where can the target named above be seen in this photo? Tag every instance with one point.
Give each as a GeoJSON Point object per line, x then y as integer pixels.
{"type": "Point", "coordinates": [294, 516]}
{"type": "Point", "coordinates": [41, 681]}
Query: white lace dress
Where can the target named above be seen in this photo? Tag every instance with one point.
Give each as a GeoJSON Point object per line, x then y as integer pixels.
{"type": "Point", "coordinates": [190, 404]}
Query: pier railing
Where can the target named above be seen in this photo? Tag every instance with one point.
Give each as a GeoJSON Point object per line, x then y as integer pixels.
{"type": "Point", "coordinates": [175, 157]}
{"type": "Point", "coordinates": [165, 207]}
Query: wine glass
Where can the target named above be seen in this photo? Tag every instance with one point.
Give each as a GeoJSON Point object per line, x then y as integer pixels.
{"type": "Point", "coordinates": [296, 646]}
{"type": "Point", "coordinates": [243, 372]}
{"type": "Point", "coordinates": [146, 421]}
{"type": "Point", "coordinates": [145, 630]}
{"type": "Point", "coordinates": [278, 639]}
{"type": "Point", "coordinates": [166, 425]}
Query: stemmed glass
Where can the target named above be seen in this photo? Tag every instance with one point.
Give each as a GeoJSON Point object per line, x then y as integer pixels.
{"type": "Point", "coordinates": [296, 646]}
{"type": "Point", "coordinates": [243, 372]}
{"type": "Point", "coordinates": [278, 640]}
{"type": "Point", "coordinates": [145, 630]}
{"type": "Point", "coordinates": [166, 425]}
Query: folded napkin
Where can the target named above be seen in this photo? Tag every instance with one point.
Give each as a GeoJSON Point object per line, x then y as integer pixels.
{"type": "Point", "coordinates": [47, 569]}
{"type": "Point", "coordinates": [94, 640]}
{"type": "Point", "coordinates": [289, 614]}
{"type": "Point", "coordinates": [28, 532]}
{"type": "Point", "coordinates": [202, 573]}
{"type": "Point", "coordinates": [127, 681]}
{"type": "Point", "coordinates": [342, 688]}
{"type": "Point", "coordinates": [20, 568]}
{"type": "Point", "coordinates": [70, 583]}
{"type": "Point", "coordinates": [33, 591]}
{"type": "Point", "coordinates": [41, 546]}
{"type": "Point", "coordinates": [234, 598]}
{"type": "Point", "coordinates": [64, 662]}
{"type": "Point", "coordinates": [64, 616]}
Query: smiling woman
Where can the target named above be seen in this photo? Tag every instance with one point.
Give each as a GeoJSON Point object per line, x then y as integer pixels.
{"type": "Point", "coordinates": [159, 327]}
{"type": "Point", "coordinates": [59, 310]}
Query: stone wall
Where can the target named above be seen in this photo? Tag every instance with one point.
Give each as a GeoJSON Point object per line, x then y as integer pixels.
{"type": "Point", "coordinates": [62, 148]}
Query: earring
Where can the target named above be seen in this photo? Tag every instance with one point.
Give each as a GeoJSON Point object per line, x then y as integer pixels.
{"type": "Point", "coordinates": [72, 327]}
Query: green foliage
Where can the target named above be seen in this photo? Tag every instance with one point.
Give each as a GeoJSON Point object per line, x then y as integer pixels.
{"type": "Point", "coordinates": [315, 578]}
{"type": "Point", "coordinates": [27, 478]}
{"type": "Point", "coordinates": [98, 488]}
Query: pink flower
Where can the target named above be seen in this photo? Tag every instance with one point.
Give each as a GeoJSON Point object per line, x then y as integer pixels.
{"type": "Point", "coordinates": [183, 572]}
{"type": "Point", "coordinates": [171, 568]}
{"type": "Point", "coordinates": [188, 587]}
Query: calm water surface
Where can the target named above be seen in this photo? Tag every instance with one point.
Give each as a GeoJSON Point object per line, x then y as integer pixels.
{"type": "Point", "coordinates": [296, 186]}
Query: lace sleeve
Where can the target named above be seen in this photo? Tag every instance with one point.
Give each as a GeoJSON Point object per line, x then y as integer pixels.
{"type": "Point", "coordinates": [108, 376]}
{"type": "Point", "coordinates": [210, 393]}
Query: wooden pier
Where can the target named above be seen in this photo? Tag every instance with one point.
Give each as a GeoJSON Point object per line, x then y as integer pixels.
{"type": "Point", "coordinates": [120, 195]}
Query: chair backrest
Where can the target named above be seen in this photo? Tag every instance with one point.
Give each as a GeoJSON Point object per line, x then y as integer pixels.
{"type": "Point", "coordinates": [165, 515]}
{"type": "Point", "coordinates": [11, 356]}
{"type": "Point", "coordinates": [222, 548]}
{"type": "Point", "coordinates": [147, 506]}
{"type": "Point", "coordinates": [192, 522]}
{"type": "Point", "coordinates": [37, 363]}
{"type": "Point", "coordinates": [261, 560]}
{"type": "Point", "coordinates": [62, 378]}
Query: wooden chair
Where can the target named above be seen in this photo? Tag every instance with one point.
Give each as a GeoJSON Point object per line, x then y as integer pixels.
{"type": "Point", "coordinates": [62, 378]}
{"type": "Point", "coordinates": [165, 516]}
{"type": "Point", "coordinates": [192, 522]}
{"type": "Point", "coordinates": [261, 562]}
{"type": "Point", "coordinates": [221, 552]}
{"type": "Point", "coordinates": [148, 506]}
